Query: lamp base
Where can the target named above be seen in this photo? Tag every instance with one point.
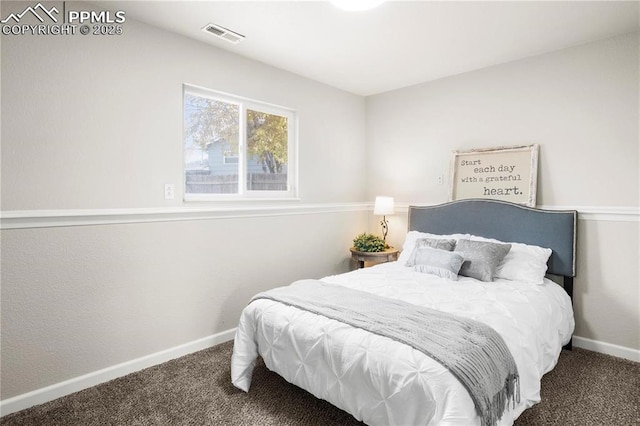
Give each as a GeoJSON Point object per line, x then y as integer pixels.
{"type": "Point", "coordinates": [385, 229]}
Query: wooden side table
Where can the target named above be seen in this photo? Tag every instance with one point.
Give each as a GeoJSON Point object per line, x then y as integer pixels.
{"type": "Point", "coordinates": [389, 255]}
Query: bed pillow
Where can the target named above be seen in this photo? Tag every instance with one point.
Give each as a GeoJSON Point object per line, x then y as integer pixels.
{"type": "Point", "coordinates": [442, 263]}
{"type": "Point", "coordinates": [413, 236]}
{"type": "Point", "coordinates": [481, 258]}
{"type": "Point", "coordinates": [524, 262]}
{"type": "Point", "coordinates": [440, 244]}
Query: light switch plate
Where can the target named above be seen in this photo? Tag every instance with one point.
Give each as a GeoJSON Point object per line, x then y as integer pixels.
{"type": "Point", "coordinates": [169, 191]}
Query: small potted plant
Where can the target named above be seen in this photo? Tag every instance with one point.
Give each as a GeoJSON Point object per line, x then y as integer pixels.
{"type": "Point", "coordinates": [369, 243]}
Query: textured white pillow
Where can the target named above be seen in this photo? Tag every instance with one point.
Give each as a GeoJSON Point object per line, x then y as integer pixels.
{"type": "Point", "coordinates": [524, 262]}
{"type": "Point", "coordinates": [413, 236]}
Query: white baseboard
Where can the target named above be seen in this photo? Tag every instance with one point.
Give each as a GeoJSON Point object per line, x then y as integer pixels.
{"type": "Point", "coordinates": [607, 348]}
{"type": "Point", "coordinates": [49, 393]}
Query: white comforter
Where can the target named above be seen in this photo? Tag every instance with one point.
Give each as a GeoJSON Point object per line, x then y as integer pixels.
{"type": "Point", "coordinates": [383, 382]}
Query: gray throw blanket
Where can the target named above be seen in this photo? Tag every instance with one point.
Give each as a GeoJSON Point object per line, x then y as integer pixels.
{"type": "Point", "coordinates": [474, 352]}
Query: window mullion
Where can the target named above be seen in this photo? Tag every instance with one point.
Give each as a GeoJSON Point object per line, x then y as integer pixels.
{"type": "Point", "coordinates": [242, 150]}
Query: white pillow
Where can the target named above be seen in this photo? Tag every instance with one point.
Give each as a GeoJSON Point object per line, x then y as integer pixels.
{"type": "Point", "coordinates": [413, 236]}
{"type": "Point", "coordinates": [524, 262]}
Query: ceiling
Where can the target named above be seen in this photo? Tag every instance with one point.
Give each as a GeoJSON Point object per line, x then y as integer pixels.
{"type": "Point", "coordinates": [399, 43]}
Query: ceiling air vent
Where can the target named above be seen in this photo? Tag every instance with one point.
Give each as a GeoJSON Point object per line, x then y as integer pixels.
{"type": "Point", "coordinates": [223, 33]}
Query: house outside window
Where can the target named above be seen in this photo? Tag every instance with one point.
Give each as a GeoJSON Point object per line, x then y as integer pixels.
{"type": "Point", "coordinates": [230, 157]}
{"type": "Point", "coordinates": [236, 148]}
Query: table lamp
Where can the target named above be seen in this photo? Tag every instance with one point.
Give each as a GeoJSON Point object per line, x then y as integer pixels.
{"type": "Point", "coordinates": [383, 207]}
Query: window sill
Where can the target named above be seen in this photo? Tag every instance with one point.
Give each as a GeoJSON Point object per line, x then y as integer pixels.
{"type": "Point", "coordinates": [230, 198]}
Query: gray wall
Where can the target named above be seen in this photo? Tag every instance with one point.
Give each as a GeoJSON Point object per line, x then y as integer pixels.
{"type": "Point", "coordinates": [81, 115]}
{"type": "Point", "coordinates": [96, 123]}
{"type": "Point", "coordinates": [581, 106]}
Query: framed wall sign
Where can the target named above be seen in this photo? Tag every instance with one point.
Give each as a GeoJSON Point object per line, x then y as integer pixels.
{"type": "Point", "coordinates": [504, 173]}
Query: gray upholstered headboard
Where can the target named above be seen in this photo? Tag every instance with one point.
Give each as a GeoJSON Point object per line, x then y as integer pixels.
{"type": "Point", "coordinates": [506, 222]}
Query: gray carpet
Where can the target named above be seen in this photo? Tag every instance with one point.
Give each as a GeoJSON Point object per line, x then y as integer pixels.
{"type": "Point", "coordinates": [585, 388]}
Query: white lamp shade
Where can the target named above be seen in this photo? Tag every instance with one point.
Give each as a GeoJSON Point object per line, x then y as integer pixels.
{"type": "Point", "coordinates": [383, 206]}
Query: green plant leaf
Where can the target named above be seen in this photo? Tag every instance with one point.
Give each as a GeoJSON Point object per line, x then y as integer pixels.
{"type": "Point", "coordinates": [369, 243]}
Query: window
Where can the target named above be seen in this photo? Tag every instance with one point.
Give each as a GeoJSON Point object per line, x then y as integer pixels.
{"type": "Point", "coordinates": [237, 148]}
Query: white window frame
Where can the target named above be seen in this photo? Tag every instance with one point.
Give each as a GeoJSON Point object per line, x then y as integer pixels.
{"type": "Point", "coordinates": [292, 148]}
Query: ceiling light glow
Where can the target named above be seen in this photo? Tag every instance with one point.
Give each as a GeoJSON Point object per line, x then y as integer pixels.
{"type": "Point", "coordinates": [356, 5]}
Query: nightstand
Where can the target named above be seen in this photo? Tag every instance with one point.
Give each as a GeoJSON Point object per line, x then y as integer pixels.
{"type": "Point", "coordinates": [359, 257]}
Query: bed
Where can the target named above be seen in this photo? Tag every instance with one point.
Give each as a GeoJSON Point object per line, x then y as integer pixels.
{"type": "Point", "coordinates": [382, 380]}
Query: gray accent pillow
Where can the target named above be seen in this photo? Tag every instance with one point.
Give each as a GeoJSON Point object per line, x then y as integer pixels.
{"type": "Point", "coordinates": [481, 258]}
{"type": "Point", "coordinates": [442, 263]}
{"type": "Point", "coordinates": [440, 244]}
